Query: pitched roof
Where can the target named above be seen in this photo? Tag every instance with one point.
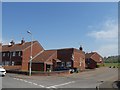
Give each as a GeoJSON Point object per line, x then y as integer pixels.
{"type": "Point", "coordinates": [73, 49]}
{"type": "Point", "coordinates": [17, 47]}
{"type": "Point", "coordinates": [44, 56]}
{"type": "Point", "coordinates": [89, 55]}
{"type": "Point", "coordinates": [94, 56]}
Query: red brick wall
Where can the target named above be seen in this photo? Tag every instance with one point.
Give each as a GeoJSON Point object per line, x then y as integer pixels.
{"type": "Point", "coordinates": [79, 57]}
{"type": "Point", "coordinates": [92, 64]}
{"type": "Point", "coordinates": [36, 48]}
{"type": "Point", "coordinates": [65, 55]}
{"type": "Point", "coordinates": [54, 56]}
{"type": "Point", "coordinates": [16, 67]}
{"type": "Point", "coordinates": [6, 57]}
{"type": "Point", "coordinates": [96, 57]}
{"type": "Point", "coordinates": [38, 67]}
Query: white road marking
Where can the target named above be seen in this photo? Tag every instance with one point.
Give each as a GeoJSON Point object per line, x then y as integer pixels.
{"type": "Point", "coordinates": [41, 86]}
{"type": "Point", "coordinates": [29, 82]}
{"type": "Point", "coordinates": [21, 79]}
{"type": "Point", "coordinates": [35, 84]}
{"type": "Point", "coordinates": [25, 81]}
{"type": "Point", "coordinates": [51, 87]}
{"type": "Point", "coordinates": [54, 86]}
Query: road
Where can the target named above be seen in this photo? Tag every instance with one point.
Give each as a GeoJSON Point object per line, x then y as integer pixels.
{"type": "Point", "coordinates": [101, 77]}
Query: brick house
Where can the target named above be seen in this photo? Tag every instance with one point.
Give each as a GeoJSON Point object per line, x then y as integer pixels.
{"type": "Point", "coordinates": [91, 60]}
{"type": "Point", "coordinates": [72, 58]}
{"type": "Point", "coordinates": [17, 56]}
{"type": "Point", "coordinates": [44, 60]}
{"type": "Point", "coordinates": [52, 59]}
{"type": "Point", "coordinates": [0, 53]}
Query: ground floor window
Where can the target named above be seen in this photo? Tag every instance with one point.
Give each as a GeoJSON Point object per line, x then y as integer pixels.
{"type": "Point", "coordinates": [68, 64]}
{"type": "Point", "coordinates": [13, 63]}
{"type": "Point", "coordinates": [63, 64]}
{"type": "Point", "coordinates": [6, 63]}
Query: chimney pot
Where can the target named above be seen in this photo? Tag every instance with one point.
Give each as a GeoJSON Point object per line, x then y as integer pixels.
{"type": "Point", "coordinates": [22, 41]}
{"type": "Point", "coordinates": [12, 42]}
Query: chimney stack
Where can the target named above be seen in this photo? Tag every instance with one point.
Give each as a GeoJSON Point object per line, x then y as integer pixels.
{"type": "Point", "coordinates": [12, 42]}
{"type": "Point", "coordinates": [80, 48]}
{"type": "Point", "coordinates": [22, 41]}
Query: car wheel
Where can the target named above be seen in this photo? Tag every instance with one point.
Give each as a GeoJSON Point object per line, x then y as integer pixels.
{"type": "Point", "coordinates": [3, 75]}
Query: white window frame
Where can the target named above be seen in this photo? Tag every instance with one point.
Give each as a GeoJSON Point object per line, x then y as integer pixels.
{"type": "Point", "coordinates": [8, 54]}
{"type": "Point", "coordinates": [13, 54]}
{"type": "Point", "coordinates": [68, 64]}
{"type": "Point", "coordinates": [3, 54]}
{"type": "Point", "coordinates": [19, 53]}
{"type": "Point", "coordinates": [13, 63]}
{"type": "Point", "coordinates": [62, 64]}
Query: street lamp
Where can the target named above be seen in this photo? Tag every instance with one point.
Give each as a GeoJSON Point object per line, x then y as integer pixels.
{"type": "Point", "coordinates": [30, 62]}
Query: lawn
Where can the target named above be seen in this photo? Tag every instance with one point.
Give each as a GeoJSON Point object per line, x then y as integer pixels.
{"type": "Point", "coordinates": [112, 64]}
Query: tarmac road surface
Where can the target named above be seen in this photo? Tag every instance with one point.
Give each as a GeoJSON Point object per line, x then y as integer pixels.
{"type": "Point", "coordinates": [100, 77]}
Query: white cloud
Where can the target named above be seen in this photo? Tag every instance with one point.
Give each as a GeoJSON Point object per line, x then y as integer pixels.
{"type": "Point", "coordinates": [106, 35]}
{"type": "Point", "coordinates": [109, 30]}
{"type": "Point", "coordinates": [108, 50]}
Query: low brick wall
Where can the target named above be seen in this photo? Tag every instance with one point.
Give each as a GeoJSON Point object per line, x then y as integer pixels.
{"type": "Point", "coordinates": [18, 72]}
{"type": "Point", "coordinates": [50, 73]}
{"type": "Point", "coordinates": [17, 67]}
{"type": "Point", "coordinates": [37, 73]}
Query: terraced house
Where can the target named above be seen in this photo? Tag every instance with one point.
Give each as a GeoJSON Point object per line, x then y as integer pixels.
{"type": "Point", "coordinates": [17, 56]}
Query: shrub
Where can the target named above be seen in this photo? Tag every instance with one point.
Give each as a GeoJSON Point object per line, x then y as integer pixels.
{"type": "Point", "coordinates": [97, 66]}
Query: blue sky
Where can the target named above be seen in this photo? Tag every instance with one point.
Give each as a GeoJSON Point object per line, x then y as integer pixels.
{"type": "Point", "coordinates": [63, 25]}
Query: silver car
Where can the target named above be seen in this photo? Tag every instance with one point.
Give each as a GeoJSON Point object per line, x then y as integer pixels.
{"type": "Point", "coordinates": [2, 71]}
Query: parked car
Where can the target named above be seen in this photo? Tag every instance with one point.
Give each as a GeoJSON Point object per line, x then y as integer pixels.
{"type": "Point", "coordinates": [63, 69]}
{"type": "Point", "coordinates": [2, 71]}
{"type": "Point", "coordinates": [76, 70]}
{"type": "Point", "coordinates": [71, 70]}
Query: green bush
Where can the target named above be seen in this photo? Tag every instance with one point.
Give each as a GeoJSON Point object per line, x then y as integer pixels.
{"type": "Point", "coordinates": [97, 66]}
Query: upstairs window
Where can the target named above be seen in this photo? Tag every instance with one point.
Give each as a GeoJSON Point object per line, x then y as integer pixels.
{"type": "Point", "coordinates": [19, 53]}
{"type": "Point", "coordinates": [8, 54]}
{"type": "Point", "coordinates": [3, 54]}
{"type": "Point", "coordinates": [13, 54]}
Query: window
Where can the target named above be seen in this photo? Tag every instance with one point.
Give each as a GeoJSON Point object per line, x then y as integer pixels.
{"type": "Point", "coordinates": [8, 54]}
{"type": "Point", "coordinates": [88, 61]}
{"type": "Point", "coordinates": [68, 64]}
{"type": "Point", "coordinates": [13, 54]}
{"type": "Point", "coordinates": [3, 54]}
{"type": "Point", "coordinates": [19, 53]}
{"type": "Point", "coordinates": [7, 63]}
{"type": "Point", "coordinates": [62, 64]}
{"type": "Point", "coordinates": [13, 63]}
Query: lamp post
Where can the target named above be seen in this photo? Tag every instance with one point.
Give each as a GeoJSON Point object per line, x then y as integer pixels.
{"type": "Point", "coordinates": [30, 62]}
